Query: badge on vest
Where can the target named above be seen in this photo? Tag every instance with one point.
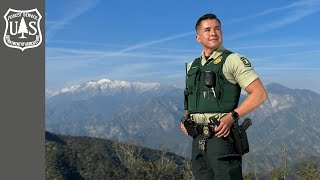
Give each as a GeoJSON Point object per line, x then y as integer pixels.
{"type": "Point", "coordinates": [217, 60]}
{"type": "Point", "coordinates": [246, 62]}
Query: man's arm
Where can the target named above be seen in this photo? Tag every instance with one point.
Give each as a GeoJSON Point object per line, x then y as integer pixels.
{"type": "Point", "coordinates": [257, 95]}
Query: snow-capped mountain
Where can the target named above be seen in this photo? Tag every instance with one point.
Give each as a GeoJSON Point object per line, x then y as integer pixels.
{"type": "Point", "coordinates": [104, 87]}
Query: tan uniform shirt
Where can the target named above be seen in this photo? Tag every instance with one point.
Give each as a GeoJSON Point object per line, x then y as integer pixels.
{"type": "Point", "coordinates": [236, 69]}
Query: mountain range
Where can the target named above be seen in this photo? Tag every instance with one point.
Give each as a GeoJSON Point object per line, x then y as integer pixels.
{"type": "Point", "coordinates": [148, 114]}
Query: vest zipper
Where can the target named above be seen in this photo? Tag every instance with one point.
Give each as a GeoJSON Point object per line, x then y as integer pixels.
{"type": "Point", "coordinates": [197, 99]}
{"type": "Point", "coordinates": [221, 95]}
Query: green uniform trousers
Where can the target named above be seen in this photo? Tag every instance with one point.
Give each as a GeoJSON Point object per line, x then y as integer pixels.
{"type": "Point", "coordinates": [217, 162]}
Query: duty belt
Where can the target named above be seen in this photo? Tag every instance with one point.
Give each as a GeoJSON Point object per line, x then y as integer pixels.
{"type": "Point", "coordinates": [206, 130]}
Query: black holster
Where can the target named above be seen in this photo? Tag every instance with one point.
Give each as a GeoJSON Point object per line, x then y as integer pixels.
{"type": "Point", "coordinates": [191, 127]}
{"type": "Point", "coordinates": [240, 139]}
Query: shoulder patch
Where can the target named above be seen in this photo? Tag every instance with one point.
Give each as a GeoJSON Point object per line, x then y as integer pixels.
{"type": "Point", "coordinates": [246, 62]}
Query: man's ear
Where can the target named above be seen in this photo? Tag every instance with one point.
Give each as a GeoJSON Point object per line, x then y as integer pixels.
{"type": "Point", "coordinates": [198, 38]}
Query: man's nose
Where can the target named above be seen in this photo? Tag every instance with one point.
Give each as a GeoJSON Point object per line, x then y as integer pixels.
{"type": "Point", "coordinates": [213, 33]}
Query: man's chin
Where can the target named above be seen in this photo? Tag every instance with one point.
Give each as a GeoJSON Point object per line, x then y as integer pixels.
{"type": "Point", "coordinates": [214, 47]}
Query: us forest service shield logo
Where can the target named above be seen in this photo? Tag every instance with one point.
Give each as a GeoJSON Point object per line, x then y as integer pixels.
{"type": "Point", "coordinates": [22, 29]}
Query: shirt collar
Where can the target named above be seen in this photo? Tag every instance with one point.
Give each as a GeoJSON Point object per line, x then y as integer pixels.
{"type": "Point", "coordinates": [214, 55]}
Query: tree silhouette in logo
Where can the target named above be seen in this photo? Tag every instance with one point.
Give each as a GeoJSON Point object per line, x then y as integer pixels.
{"type": "Point", "coordinates": [23, 28]}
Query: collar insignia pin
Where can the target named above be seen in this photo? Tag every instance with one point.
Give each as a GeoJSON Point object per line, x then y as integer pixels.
{"type": "Point", "coordinates": [218, 60]}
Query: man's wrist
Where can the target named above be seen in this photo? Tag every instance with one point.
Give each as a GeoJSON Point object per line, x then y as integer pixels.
{"type": "Point", "coordinates": [235, 115]}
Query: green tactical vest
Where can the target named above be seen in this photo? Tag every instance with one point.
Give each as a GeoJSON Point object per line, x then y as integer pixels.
{"type": "Point", "coordinates": [222, 98]}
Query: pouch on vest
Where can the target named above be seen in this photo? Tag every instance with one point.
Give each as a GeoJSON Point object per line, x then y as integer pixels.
{"type": "Point", "coordinates": [210, 79]}
{"type": "Point", "coordinates": [208, 97]}
{"type": "Point", "coordinates": [192, 76]}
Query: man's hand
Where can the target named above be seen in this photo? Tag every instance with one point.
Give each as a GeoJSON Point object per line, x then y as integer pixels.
{"type": "Point", "coordinates": [257, 95]}
{"type": "Point", "coordinates": [223, 130]}
{"type": "Point", "coordinates": [183, 129]}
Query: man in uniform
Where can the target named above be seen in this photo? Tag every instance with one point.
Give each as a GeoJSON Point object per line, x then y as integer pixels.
{"type": "Point", "coordinates": [214, 82]}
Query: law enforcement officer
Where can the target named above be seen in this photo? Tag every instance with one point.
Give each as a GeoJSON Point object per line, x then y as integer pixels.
{"type": "Point", "coordinates": [214, 82]}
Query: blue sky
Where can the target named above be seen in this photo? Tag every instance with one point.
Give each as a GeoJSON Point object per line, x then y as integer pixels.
{"type": "Point", "coordinates": [149, 41]}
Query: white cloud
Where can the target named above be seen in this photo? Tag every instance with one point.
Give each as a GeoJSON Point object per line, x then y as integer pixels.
{"type": "Point", "coordinates": [294, 12]}
{"type": "Point", "coordinates": [79, 7]}
{"type": "Point", "coordinates": [153, 42]}
{"type": "Point", "coordinates": [295, 5]}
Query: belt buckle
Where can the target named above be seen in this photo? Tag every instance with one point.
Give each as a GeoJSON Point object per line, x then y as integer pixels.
{"type": "Point", "coordinates": [206, 131]}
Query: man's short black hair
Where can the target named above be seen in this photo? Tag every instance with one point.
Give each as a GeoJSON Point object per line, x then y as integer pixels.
{"type": "Point", "coordinates": [205, 17]}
